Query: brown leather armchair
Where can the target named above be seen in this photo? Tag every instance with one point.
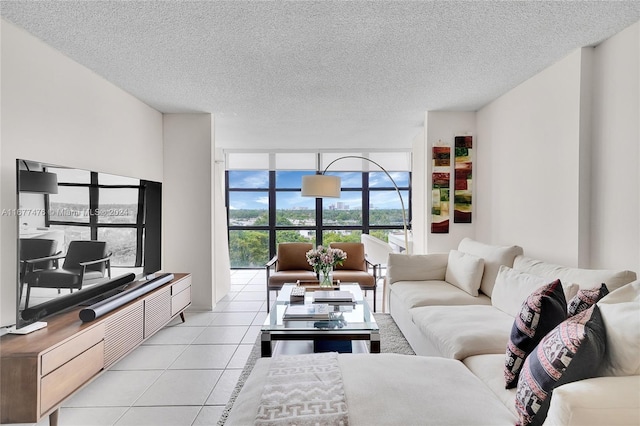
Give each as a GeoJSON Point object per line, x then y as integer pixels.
{"type": "Point", "coordinates": [289, 265]}
{"type": "Point", "coordinates": [355, 268]}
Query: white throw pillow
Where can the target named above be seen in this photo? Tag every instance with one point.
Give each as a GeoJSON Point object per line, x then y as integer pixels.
{"type": "Point", "coordinates": [493, 256]}
{"type": "Point", "coordinates": [512, 288]}
{"type": "Point", "coordinates": [620, 311]}
{"type": "Point", "coordinates": [464, 271]}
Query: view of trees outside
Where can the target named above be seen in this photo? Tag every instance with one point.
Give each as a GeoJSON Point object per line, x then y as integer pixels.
{"type": "Point", "coordinates": [295, 216]}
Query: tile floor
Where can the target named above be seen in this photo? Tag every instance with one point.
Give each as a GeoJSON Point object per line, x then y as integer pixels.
{"type": "Point", "coordinates": [185, 373]}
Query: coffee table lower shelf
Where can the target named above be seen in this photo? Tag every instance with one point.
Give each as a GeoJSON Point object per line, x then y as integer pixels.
{"type": "Point", "coordinates": [300, 342]}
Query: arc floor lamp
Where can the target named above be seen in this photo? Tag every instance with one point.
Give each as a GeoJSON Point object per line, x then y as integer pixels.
{"type": "Point", "coordinates": [325, 186]}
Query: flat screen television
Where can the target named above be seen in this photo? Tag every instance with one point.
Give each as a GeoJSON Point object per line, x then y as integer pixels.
{"type": "Point", "coordinates": [58, 205]}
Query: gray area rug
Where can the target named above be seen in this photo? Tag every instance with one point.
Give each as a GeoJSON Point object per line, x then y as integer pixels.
{"type": "Point", "coordinates": [391, 341]}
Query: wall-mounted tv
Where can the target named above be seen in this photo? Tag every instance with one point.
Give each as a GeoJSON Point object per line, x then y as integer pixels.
{"type": "Point", "coordinates": [90, 227]}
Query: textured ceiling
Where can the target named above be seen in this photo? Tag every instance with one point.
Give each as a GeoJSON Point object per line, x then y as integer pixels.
{"type": "Point", "coordinates": [318, 74]}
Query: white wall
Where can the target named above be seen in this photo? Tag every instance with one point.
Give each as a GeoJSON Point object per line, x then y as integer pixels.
{"type": "Point", "coordinates": [529, 165]}
{"type": "Point", "coordinates": [420, 193]}
{"type": "Point", "coordinates": [56, 111]}
{"type": "Point", "coordinates": [616, 153]}
{"type": "Point", "coordinates": [558, 160]}
{"type": "Point", "coordinates": [187, 202]}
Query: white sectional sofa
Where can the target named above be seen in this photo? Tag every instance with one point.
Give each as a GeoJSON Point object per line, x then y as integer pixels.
{"type": "Point", "coordinates": [441, 319]}
{"type": "Point", "coordinates": [457, 310]}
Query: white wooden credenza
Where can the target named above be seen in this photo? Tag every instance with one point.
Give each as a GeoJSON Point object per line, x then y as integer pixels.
{"type": "Point", "coordinates": [38, 371]}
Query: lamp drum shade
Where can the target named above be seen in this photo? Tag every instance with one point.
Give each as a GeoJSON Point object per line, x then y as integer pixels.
{"type": "Point", "coordinates": [320, 186]}
{"type": "Point", "coordinates": [38, 182]}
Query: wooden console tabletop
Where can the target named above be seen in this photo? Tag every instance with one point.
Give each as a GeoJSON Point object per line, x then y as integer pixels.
{"type": "Point", "coordinates": [42, 369]}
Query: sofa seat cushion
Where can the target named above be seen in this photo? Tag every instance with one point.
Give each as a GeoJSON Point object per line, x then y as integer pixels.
{"type": "Point", "coordinates": [429, 293]}
{"type": "Point", "coordinates": [376, 389]}
{"type": "Point", "coordinates": [462, 331]}
{"type": "Point", "coordinates": [584, 278]}
{"type": "Point", "coordinates": [488, 368]}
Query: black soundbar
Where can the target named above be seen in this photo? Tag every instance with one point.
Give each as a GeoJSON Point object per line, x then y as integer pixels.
{"type": "Point", "coordinates": [42, 310]}
{"type": "Point", "coordinates": [107, 305]}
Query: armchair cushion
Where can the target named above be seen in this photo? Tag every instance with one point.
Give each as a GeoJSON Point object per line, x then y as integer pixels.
{"type": "Point", "coordinates": [293, 256]}
{"type": "Point", "coordinates": [278, 279]}
{"type": "Point", "coordinates": [365, 279]}
{"type": "Point", "coordinates": [464, 271]}
{"type": "Point", "coordinates": [355, 260]}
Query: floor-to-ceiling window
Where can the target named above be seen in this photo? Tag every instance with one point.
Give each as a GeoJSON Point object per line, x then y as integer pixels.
{"type": "Point", "coordinates": [265, 206]}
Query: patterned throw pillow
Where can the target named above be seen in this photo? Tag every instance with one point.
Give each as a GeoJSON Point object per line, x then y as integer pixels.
{"type": "Point", "coordinates": [540, 313]}
{"type": "Point", "coordinates": [585, 299]}
{"type": "Point", "coordinates": [572, 351]}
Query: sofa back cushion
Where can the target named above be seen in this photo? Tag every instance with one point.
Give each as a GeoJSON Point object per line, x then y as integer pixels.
{"type": "Point", "coordinates": [493, 256]}
{"type": "Point", "coordinates": [416, 267]}
{"type": "Point", "coordinates": [512, 288]}
{"type": "Point", "coordinates": [464, 271]}
{"type": "Point", "coordinates": [621, 316]}
{"type": "Point", "coordinates": [584, 278]}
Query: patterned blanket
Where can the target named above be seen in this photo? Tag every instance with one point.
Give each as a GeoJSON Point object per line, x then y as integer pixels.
{"type": "Point", "coordinates": [303, 390]}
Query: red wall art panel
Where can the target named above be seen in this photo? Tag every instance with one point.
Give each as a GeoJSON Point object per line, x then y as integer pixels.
{"type": "Point", "coordinates": [440, 190]}
{"type": "Point", "coordinates": [463, 183]}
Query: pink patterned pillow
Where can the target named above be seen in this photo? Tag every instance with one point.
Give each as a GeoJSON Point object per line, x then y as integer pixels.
{"type": "Point", "coordinates": [540, 313]}
{"type": "Point", "coordinates": [585, 299]}
{"type": "Point", "coordinates": [572, 351]}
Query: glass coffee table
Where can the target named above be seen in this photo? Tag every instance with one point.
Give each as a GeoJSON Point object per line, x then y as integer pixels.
{"type": "Point", "coordinates": [348, 322]}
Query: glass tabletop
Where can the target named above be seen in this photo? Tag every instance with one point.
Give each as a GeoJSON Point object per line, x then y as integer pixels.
{"type": "Point", "coordinates": [349, 316]}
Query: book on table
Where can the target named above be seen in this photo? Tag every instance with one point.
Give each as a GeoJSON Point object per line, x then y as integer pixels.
{"type": "Point", "coordinates": [334, 297]}
{"type": "Point", "coordinates": [316, 311]}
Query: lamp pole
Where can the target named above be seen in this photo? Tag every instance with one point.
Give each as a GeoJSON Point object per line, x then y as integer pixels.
{"type": "Point", "coordinates": [404, 216]}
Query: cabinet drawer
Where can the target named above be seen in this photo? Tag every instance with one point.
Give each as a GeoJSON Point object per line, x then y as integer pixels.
{"type": "Point", "coordinates": [181, 285]}
{"type": "Point", "coordinates": [180, 301]}
{"type": "Point", "coordinates": [62, 382]}
{"type": "Point", "coordinates": [74, 347]}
